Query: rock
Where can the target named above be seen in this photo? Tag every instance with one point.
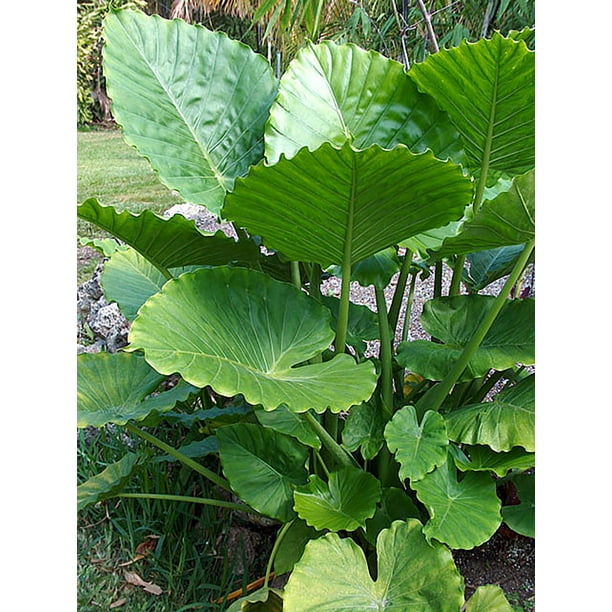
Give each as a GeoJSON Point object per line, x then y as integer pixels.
{"type": "Point", "coordinates": [203, 218]}
{"type": "Point", "coordinates": [99, 321]}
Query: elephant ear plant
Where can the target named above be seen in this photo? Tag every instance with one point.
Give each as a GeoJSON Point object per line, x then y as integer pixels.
{"type": "Point", "coordinates": [375, 467]}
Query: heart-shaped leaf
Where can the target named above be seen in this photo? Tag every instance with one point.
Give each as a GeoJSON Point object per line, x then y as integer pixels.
{"type": "Point", "coordinates": [346, 201]}
{"type": "Point", "coordinates": [506, 220]}
{"type": "Point", "coordinates": [168, 243]}
{"type": "Point", "coordinates": [418, 448]}
{"type": "Point", "coordinates": [240, 331]}
{"type": "Point", "coordinates": [339, 93]}
{"type": "Point", "coordinates": [413, 574]}
{"type": "Point", "coordinates": [488, 90]}
{"type": "Point", "coordinates": [453, 320]}
{"type": "Point", "coordinates": [192, 101]}
{"type": "Point", "coordinates": [463, 514]}
{"type": "Point", "coordinates": [364, 428]}
{"type": "Point", "coordinates": [290, 423]}
{"type": "Point", "coordinates": [343, 503]}
{"type": "Point", "coordinates": [521, 517]}
{"type": "Point", "coordinates": [108, 482]}
{"type": "Point", "coordinates": [502, 424]}
{"type": "Point", "coordinates": [488, 598]}
{"type": "Point", "coordinates": [263, 467]}
{"type": "Point", "coordinates": [117, 387]}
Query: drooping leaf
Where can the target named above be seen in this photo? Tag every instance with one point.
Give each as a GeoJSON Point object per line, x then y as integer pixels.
{"type": "Point", "coordinates": [130, 280]}
{"type": "Point", "coordinates": [292, 546]}
{"type": "Point", "coordinates": [343, 503]}
{"type": "Point", "coordinates": [290, 423]}
{"type": "Point", "coordinates": [376, 270]}
{"type": "Point", "coordinates": [342, 199]}
{"type": "Point", "coordinates": [108, 482]}
{"type": "Point", "coordinates": [488, 90]}
{"type": "Point", "coordinates": [483, 459]}
{"type": "Point", "coordinates": [117, 387]}
{"type": "Point", "coordinates": [462, 514]}
{"type": "Point", "coordinates": [502, 424]}
{"type": "Point", "coordinates": [240, 331]}
{"type": "Point", "coordinates": [521, 518]}
{"type": "Point", "coordinates": [263, 466]}
{"type": "Point", "coordinates": [394, 505]}
{"type": "Point", "coordinates": [194, 102]}
{"type": "Point", "coordinates": [488, 266]}
{"type": "Point", "coordinates": [168, 243]}
{"type": "Point", "coordinates": [488, 598]}
{"type": "Point", "coordinates": [362, 322]}
{"type": "Point", "coordinates": [413, 574]}
{"type": "Point", "coordinates": [225, 415]}
{"type": "Point", "coordinates": [262, 600]}
{"type": "Point", "coordinates": [506, 220]}
{"type": "Point", "coordinates": [418, 447]}
{"type": "Point", "coordinates": [338, 93]}
{"type": "Point", "coordinates": [453, 320]}
{"type": "Point", "coordinates": [364, 428]}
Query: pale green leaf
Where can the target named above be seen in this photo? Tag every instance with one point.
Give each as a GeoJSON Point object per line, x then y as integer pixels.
{"type": "Point", "coordinates": [488, 598]}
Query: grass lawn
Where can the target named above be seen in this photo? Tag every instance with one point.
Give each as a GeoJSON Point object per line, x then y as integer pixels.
{"type": "Point", "coordinates": [113, 172]}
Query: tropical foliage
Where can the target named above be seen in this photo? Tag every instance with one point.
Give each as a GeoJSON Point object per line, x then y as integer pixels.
{"type": "Point", "coordinates": [350, 165]}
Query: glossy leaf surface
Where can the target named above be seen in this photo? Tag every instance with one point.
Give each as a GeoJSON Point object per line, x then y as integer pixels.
{"type": "Point", "coordinates": [108, 482]}
{"type": "Point", "coordinates": [502, 424]}
{"type": "Point", "coordinates": [488, 598]}
{"type": "Point", "coordinates": [168, 243]}
{"type": "Point", "coordinates": [488, 90]}
{"type": "Point", "coordinates": [463, 514]}
{"type": "Point", "coordinates": [343, 503]}
{"type": "Point", "coordinates": [341, 199]}
{"type": "Point", "coordinates": [263, 467]}
{"type": "Point", "coordinates": [508, 219]}
{"type": "Point", "coordinates": [192, 101]}
{"type": "Point", "coordinates": [339, 93]}
{"type": "Point", "coordinates": [418, 447]}
{"type": "Point", "coordinates": [483, 459]}
{"type": "Point", "coordinates": [117, 387]}
{"type": "Point", "coordinates": [240, 331]}
{"type": "Point", "coordinates": [413, 574]}
{"type": "Point", "coordinates": [453, 320]}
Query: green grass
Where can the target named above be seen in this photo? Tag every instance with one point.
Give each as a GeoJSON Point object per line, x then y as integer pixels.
{"type": "Point", "coordinates": [114, 173]}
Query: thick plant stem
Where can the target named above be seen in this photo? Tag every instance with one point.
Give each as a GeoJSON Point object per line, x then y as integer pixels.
{"type": "Point", "coordinates": [407, 314]}
{"type": "Point", "coordinates": [295, 274]}
{"type": "Point", "coordinates": [386, 377]}
{"type": "Point", "coordinates": [457, 273]}
{"type": "Point", "coordinates": [277, 543]}
{"type": "Point", "coordinates": [194, 465]}
{"type": "Point", "coordinates": [314, 288]}
{"type": "Point", "coordinates": [439, 269]}
{"type": "Point", "coordinates": [402, 279]}
{"type": "Point", "coordinates": [194, 500]}
{"type": "Point", "coordinates": [333, 448]}
{"type": "Point", "coordinates": [434, 399]}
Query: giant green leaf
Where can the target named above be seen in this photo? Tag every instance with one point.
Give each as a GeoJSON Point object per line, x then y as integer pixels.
{"type": "Point", "coordinates": [339, 93]}
{"type": "Point", "coordinates": [194, 102]}
{"type": "Point", "coordinates": [521, 517]}
{"type": "Point", "coordinates": [364, 428]}
{"type": "Point", "coordinates": [117, 387]}
{"type": "Point", "coordinates": [488, 598]}
{"type": "Point", "coordinates": [263, 467]}
{"type": "Point", "coordinates": [129, 280]}
{"type": "Point", "coordinates": [108, 482]}
{"type": "Point", "coordinates": [418, 447]}
{"type": "Point", "coordinates": [343, 503]}
{"type": "Point", "coordinates": [413, 574]}
{"type": "Point", "coordinates": [453, 320]}
{"type": "Point", "coordinates": [508, 219]}
{"type": "Point", "coordinates": [347, 203]}
{"type": "Point", "coordinates": [488, 90]}
{"type": "Point", "coordinates": [484, 459]}
{"type": "Point", "coordinates": [502, 424]}
{"type": "Point", "coordinates": [240, 331]}
{"type": "Point", "coordinates": [463, 514]}
{"type": "Point", "coordinates": [168, 243]}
